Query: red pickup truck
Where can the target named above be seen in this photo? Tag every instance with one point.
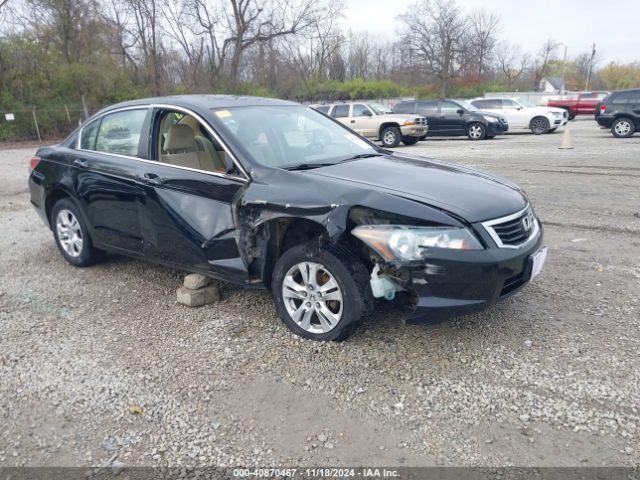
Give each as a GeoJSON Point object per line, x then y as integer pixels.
{"type": "Point", "coordinates": [584, 104]}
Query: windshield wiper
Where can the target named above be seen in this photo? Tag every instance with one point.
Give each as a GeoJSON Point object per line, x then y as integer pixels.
{"type": "Point", "coordinates": [308, 166]}
{"type": "Point", "coordinates": [364, 155]}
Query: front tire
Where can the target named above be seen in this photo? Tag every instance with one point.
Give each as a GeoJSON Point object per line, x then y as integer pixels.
{"type": "Point", "coordinates": [71, 234]}
{"type": "Point", "coordinates": [321, 292]}
{"type": "Point", "coordinates": [539, 125]}
{"type": "Point", "coordinates": [476, 131]}
{"type": "Point", "coordinates": [390, 137]}
{"type": "Point", "coordinates": [623, 127]}
{"type": "Point", "coordinates": [410, 140]}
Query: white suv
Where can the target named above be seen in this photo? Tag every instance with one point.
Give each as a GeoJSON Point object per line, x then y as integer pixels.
{"type": "Point", "coordinates": [523, 115]}
{"type": "Point", "coordinates": [374, 121]}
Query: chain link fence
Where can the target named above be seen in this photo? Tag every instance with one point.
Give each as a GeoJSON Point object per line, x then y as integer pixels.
{"type": "Point", "coordinates": [51, 122]}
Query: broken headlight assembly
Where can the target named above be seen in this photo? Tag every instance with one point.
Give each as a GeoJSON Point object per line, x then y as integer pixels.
{"type": "Point", "coordinates": [407, 243]}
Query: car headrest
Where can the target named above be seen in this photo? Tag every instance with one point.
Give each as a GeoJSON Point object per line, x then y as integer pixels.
{"type": "Point", "coordinates": [179, 137]}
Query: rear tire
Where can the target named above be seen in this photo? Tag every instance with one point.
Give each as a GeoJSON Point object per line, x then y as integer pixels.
{"type": "Point", "coordinates": [476, 131]}
{"type": "Point", "coordinates": [409, 140]}
{"type": "Point", "coordinates": [390, 137]}
{"type": "Point", "coordinates": [71, 234]}
{"type": "Point", "coordinates": [539, 125]}
{"type": "Point", "coordinates": [489, 137]}
{"type": "Point", "coordinates": [623, 127]}
{"type": "Point", "coordinates": [333, 271]}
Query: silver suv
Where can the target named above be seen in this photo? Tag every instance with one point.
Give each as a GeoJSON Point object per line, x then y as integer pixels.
{"type": "Point", "coordinates": [374, 121]}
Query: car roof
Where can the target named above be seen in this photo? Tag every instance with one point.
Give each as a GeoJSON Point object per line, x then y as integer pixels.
{"type": "Point", "coordinates": [207, 101]}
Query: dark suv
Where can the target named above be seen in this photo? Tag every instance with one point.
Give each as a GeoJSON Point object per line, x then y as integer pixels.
{"type": "Point", "coordinates": [620, 112]}
{"type": "Point", "coordinates": [455, 117]}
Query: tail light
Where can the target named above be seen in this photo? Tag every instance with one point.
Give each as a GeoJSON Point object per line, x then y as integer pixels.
{"type": "Point", "coordinates": [33, 163]}
{"type": "Point", "coordinates": [603, 107]}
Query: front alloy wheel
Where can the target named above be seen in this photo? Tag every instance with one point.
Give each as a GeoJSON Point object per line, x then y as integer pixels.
{"type": "Point", "coordinates": [476, 131]}
{"type": "Point", "coordinates": [312, 297]}
{"type": "Point", "coordinates": [321, 292]}
{"type": "Point", "coordinates": [539, 125]}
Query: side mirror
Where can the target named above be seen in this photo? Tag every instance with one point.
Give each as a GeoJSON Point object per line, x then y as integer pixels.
{"type": "Point", "coordinates": [518, 108]}
{"type": "Point", "coordinates": [460, 111]}
{"type": "Point", "coordinates": [367, 113]}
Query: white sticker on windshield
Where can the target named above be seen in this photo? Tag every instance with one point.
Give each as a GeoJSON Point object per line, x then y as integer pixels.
{"type": "Point", "coordinates": [358, 141]}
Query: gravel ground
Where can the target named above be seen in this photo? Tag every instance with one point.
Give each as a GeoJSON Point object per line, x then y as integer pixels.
{"type": "Point", "coordinates": [100, 365]}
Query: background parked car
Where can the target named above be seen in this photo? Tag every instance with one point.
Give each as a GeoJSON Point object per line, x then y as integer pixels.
{"type": "Point", "coordinates": [455, 117]}
{"type": "Point", "coordinates": [621, 113]}
{"type": "Point", "coordinates": [584, 104]}
{"type": "Point", "coordinates": [374, 121]}
{"type": "Point", "coordinates": [523, 115]}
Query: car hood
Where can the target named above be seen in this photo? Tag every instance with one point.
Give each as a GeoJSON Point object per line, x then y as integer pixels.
{"type": "Point", "coordinates": [399, 117]}
{"type": "Point", "coordinates": [489, 114]}
{"type": "Point", "coordinates": [467, 193]}
{"type": "Point", "coordinates": [544, 110]}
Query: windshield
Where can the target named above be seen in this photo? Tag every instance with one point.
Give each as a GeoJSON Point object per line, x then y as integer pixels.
{"type": "Point", "coordinates": [467, 106]}
{"type": "Point", "coordinates": [290, 136]}
{"type": "Point", "coordinates": [379, 109]}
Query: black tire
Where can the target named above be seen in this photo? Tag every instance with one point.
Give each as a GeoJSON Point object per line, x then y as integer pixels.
{"type": "Point", "coordinates": [623, 127]}
{"type": "Point", "coordinates": [424, 137]}
{"type": "Point", "coordinates": [572, 116]}
{"type": "Point", "coordinates": [489, 137]}
{"type": "Point", "coordinates": [409, 140]}
{"type": "Point", "coordinates": [86, 255]}
{"type": "Point", "coordinates": [352, 279]}
{"type": "Point", "coordinates": [476, 131]}
{"type": "Point", "coordinates": [539, 125]}
{"type": "Point", "coordinates": [390, 137]}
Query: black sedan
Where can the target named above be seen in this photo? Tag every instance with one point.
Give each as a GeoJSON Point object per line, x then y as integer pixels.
{"type": "Point", "coordinates": [271, 194]}
{"type": "Point", "coordinates": [455, 118]}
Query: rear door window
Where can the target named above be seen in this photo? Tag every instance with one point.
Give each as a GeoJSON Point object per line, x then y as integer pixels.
{"type": "Point", "coordinates": [120, 132]}
{"type": "Point", "coordinates": [340, 111]}
{"type": "Point", "coordinates": [620, 98]}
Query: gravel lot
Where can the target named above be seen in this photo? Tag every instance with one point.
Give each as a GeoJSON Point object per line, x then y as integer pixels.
{"type": "Point", "coordinates": [100, 365]}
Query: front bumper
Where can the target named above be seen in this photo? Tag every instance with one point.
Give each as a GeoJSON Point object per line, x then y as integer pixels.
{"type": "Point", "coordinates": [414, 131]}
{"type": "Point", "coordinates": [453, 283]}
{"type": "Point", "coordinates": [497, 128]}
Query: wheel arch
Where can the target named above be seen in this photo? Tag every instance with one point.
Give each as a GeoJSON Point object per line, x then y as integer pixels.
{"type": "Point", "coordinates": [385, 125]}
{"type": "Point", "coordinates": [53, 196]}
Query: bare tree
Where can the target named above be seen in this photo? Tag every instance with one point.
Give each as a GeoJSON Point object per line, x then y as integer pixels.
{"type": "Point", "coordinates": [146, 19]}
{"type": "Point", "coordinates": [511, 62]}
{"type": "Point", "coordinates": [437, 38]}
{"type": "Point", "coordinates": [547, 53]}
{"type": "Point", "coordinates": [484, 28]}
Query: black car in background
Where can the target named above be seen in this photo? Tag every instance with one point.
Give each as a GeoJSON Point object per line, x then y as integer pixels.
{"type": "Point", "coordinates": [620, 112]}
{"type": "Point", "coordinates": [455, 118]}
{"type": "Point", "coordinates": [271, 194]}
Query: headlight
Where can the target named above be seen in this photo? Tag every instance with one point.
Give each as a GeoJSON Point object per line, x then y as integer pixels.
{"type": "Point", "coordinates": [555, 114]}
{"type": "Point", "coordinates": [490, 119]}
{"type": "Point", "coordinates": [408, 123]}
{"type": "Point", "coordinates": [402, 242]}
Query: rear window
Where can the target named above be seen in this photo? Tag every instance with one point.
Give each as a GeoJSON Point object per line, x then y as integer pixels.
{"type": "Point", "coordinates": [323, 109]}
{"type": "Point", "coordinates": [120, 132]}
{"type": "Point", "coordinates": [619, 97]}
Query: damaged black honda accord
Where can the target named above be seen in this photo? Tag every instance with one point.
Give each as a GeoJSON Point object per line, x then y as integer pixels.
{"type": "Point", "coordinates": [271, 194]}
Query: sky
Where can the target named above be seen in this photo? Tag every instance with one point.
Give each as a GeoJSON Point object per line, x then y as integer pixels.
{"type": "Point", "coordinates": [613, 26]}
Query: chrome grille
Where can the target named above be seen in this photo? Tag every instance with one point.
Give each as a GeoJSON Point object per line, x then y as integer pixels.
{"type": "Point", "coordinates": [513, 230]}
{"type": "Point", "coordinates": [421, 121]}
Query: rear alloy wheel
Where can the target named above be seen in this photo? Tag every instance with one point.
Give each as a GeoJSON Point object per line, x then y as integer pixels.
{"type": "Point", "coordinates": [71, 235]}
{"type": "Point", "coordinates": [390, 136]}
{"type": "Point", "coordinates": [476, 131]}
{"type": "Point", "coordinates": [623, 128]}
{"type": "Point", "coordinates": [407, 140]}
{"type": "Point", "coordinates": [321, 293]}
{"type": "Point", "coordinates": [539, 125]}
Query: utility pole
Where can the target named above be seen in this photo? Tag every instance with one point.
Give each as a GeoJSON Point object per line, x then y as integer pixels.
{"type": "Point", "coordinates": [593, 54]}
{"type": "Point", "coordinates": [564, 68]}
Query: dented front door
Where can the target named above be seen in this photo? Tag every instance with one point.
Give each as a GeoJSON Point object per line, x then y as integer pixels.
{"type": "Point", "coordinates": [187, 219]}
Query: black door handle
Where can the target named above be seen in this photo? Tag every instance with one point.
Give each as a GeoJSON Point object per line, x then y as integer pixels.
{"type": "Point", "coordinates": [152, 179]}
{"type": "Point", "coordinates": [353, 121]}
{"type": "Point", "coordinates": [81, 162]}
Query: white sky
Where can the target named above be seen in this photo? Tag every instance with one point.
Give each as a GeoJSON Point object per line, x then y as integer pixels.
{"type": "Point", "coordinates": [613, 25]}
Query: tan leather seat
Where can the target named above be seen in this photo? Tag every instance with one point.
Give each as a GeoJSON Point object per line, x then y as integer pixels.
{"type": "Point", "coordinates": [185, 150]}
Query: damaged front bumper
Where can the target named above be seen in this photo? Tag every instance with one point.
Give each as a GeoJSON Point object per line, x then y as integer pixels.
{"type": "Point", "coordinates": [453, 283]}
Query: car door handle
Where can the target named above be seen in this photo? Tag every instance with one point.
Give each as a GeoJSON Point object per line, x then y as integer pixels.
{"type": "Point", "coordinates": [353, 121]}
{"type": "Point", "coordinates": [81, 162]}
{"type": "Point", "coordinates": [152, 179]}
